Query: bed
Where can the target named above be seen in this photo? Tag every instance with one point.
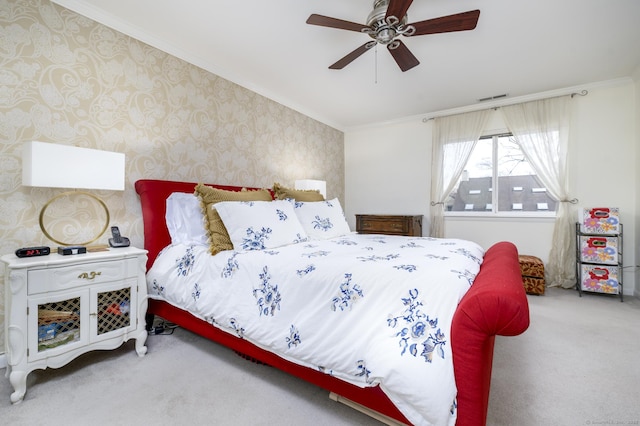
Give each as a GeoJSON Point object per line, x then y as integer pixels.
{"type": "Point", "coordinates": [492, 302]}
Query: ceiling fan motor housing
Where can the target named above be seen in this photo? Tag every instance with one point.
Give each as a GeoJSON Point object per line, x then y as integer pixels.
{"type": "Point", "coordinates": [385, 30]}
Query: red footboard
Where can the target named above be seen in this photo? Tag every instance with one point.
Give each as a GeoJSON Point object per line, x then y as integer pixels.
{"type": "Point", "coordinates": [496, 304]}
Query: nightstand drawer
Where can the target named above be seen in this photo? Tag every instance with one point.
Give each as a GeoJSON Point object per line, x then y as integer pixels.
{"type": "Point", "coordinates": [65, 277]}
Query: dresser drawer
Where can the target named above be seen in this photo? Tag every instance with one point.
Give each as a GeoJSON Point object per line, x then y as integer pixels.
{"type": "Point", "coordinates": [66, 277]}
{"type": "Point", "coordinates": [410, 225]}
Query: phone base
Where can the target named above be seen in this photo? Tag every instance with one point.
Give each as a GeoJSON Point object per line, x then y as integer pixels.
{"type": "Point", "coordinates": [124, 242]}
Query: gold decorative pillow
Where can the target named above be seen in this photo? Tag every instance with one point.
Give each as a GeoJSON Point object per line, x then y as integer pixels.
{"type": "Point", "coordinates": [282, 193]}
{"type": "Point", "coordinates": [218, 236]}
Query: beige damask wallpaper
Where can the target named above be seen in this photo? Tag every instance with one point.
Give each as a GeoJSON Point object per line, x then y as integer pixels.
{"type": "Point", "coordinates": [69, 80]}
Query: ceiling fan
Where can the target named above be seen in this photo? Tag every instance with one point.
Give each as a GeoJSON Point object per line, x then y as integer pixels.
{"type": "Point", "coordinates": [387, 22]}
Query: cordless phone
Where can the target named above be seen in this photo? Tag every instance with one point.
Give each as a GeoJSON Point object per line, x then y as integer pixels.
{"type": "Point", "coordinates": [118, 240]}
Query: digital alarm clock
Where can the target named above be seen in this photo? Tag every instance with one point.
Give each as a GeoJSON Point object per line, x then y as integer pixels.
{"type": "Point", "coordinates": [33, 251]}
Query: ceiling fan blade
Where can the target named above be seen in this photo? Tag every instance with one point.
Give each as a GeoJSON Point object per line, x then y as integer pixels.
{"type": "Point", "coordinates": [326, 21]}
{"type": "Point", "coordinates": [403, 56]}
{"type": "Point", "coordinates": [398, 8]}
{"type": "Point", "coordinates": [352, 56]}
{"type": "Point", "coordinates": [446, 24]}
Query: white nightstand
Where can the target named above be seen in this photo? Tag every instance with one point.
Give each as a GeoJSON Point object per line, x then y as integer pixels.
{"type": "Point", "coordinates": [59, 307]}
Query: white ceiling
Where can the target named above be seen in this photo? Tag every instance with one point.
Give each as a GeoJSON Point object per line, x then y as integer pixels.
{"type": "Point", "coordinates": [519, 47]}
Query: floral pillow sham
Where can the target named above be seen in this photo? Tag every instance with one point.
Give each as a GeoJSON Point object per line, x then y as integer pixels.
{"type": "Point", "coordinates": [259, 225]}
{"type": "Point", "coordinates": [322, 219]}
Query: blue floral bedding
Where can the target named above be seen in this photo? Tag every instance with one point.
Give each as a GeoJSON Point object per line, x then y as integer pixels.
{"type": "Point", "coordinates": [369, 309]}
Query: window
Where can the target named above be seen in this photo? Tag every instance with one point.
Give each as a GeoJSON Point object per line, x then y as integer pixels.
{"type": "Point", "coordinates": [498, 179]}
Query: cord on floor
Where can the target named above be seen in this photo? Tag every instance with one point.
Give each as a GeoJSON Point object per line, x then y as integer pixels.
{"type": "Point", "coordinates": [162, 327]}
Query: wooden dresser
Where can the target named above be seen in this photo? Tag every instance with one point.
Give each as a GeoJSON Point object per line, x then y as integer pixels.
{"type": "Point", "coordinates": [410, 225]}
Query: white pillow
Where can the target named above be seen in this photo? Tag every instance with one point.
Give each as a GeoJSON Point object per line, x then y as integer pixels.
{"type": "Point", "coordinates": [258, 225]}
{"type": "Point", "coordinates": [185, 220]}
{"type": "Point", "coordinates": [322, 219]}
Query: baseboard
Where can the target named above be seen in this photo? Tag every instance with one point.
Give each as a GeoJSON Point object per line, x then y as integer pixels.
{"type": "Point", "coordinates": [3, 360]}
{"type": "Point", "coordinates": [369, 412]}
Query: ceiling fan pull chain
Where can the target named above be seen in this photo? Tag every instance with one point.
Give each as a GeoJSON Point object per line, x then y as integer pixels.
{"type": "Point", "coordinates": [376, 65]}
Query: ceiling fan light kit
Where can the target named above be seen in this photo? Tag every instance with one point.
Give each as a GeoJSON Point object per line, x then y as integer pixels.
{"type": "Point", "coordinates": [387, 22]}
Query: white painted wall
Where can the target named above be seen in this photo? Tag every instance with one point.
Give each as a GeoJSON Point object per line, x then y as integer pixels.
{"type": "Point", "coordinates": [387, 170]}
{"type": "Point", "coordinates": [635, 266]}
{"type": "Point", "coordinates": [604, 163]}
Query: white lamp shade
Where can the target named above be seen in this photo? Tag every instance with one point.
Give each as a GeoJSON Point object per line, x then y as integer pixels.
{"type": "Point", "coordinates": [312, 184]}
{"type": "Point", "coordinates": [61, 166]}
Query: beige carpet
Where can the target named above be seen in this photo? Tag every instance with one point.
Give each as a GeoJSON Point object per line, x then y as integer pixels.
{"type": "Point", "coordinates": [183, 380]}
{"type": "Point", "coordinates": [578, 364]}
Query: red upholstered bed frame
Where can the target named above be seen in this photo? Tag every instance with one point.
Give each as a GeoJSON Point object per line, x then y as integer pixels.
{"type": "Point", "coordinates": [495, 304]}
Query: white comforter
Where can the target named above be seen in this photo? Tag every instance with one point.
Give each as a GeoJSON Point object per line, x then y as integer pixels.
{"type": "Point", "coordinates": [369, 309]}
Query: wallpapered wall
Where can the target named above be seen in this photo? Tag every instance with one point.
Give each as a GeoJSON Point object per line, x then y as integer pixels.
{"type": "Point", "coordinates": [66, 79]}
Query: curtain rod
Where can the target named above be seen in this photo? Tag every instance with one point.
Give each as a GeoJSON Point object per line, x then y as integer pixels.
{"type": "Point", "coordinates": [580, 93]}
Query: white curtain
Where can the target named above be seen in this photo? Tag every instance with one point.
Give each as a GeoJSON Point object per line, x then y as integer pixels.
{"type": "Point", "coordinates": [454, 138]}
{"type": "Point", "coordinates": [541, 129]}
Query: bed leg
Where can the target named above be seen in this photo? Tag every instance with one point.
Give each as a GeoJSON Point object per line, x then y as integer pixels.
{"type": "Point", "coordinates": [148, 318]}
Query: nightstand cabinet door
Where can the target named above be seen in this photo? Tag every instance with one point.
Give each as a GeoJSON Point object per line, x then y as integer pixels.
{"type": "Point", "coordinates": [409, 225]}
{"type": "Point", "coordinates": [113, 310]}
{"type": "Point", "coordinates": [57, 323]}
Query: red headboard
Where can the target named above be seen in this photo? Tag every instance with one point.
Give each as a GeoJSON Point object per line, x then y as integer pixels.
{"type": "Point", "coordinates": [153, 199]}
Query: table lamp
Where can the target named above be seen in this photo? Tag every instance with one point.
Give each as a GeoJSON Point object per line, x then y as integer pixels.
{"type": "Point", "coordinates": [312, 184]}
{"type": "Point", "coordinates": [61, 166]}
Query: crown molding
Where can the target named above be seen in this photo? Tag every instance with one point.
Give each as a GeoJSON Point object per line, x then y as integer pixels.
{"type": "Point", "coordinates": [502, 102]}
